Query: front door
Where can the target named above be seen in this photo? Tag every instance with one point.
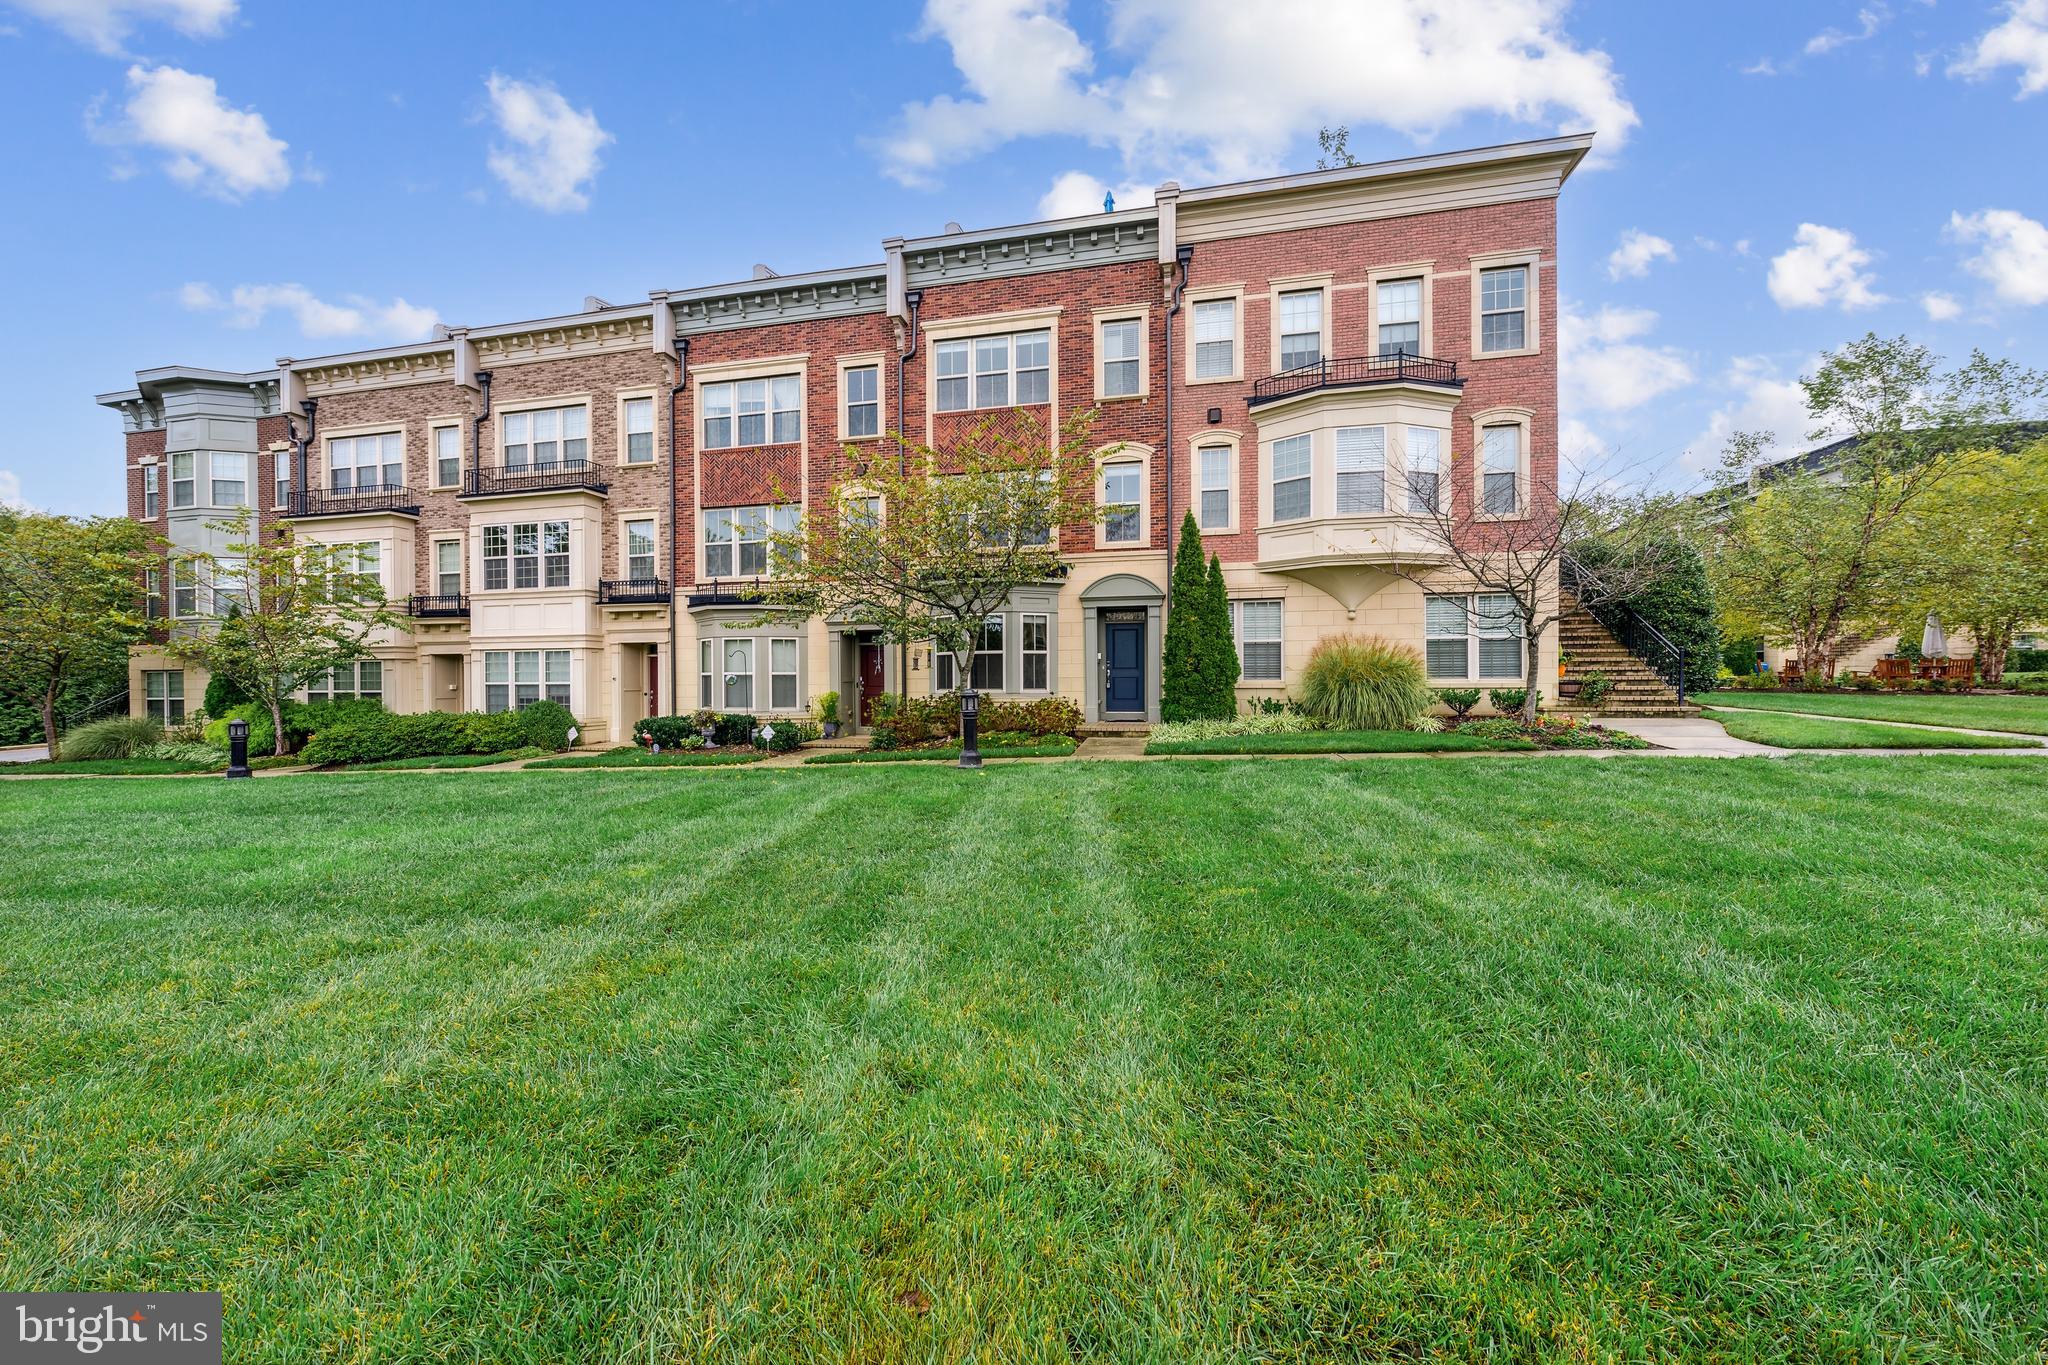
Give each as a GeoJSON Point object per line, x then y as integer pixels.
{"type": "Point", "coordinates": [653, 680]}
{"type": "Point", "coordinates": [1123, 652]}
{"type": "Point", "coordinates": [871, 684]}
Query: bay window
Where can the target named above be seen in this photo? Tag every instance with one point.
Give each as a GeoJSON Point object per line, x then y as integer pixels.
{"type": "Point", "coordinates": [752, 412]}
{"type": "Point", "coordinates": [1361, 470]}
{"type": "Point", "coordinates": [230, 584]}
{"type": "Point", "coordinates": [739, 675]}
{"type": "Point", "coordinates": [365, 462]}
{"type": "Point", "coordinates": [526, 554]}
{"type": "Point", "coordinates": [514, 678]}
{"type": "Point", "coordinates": [184, 588]}
{"type": "Point", "coordinates": [229, 473]}
{"type": "Point", "coordinates": [544, 438]}
{"type": "Point", "coordinates": [1291, 485]}
{"type": "Point", "coordinates": [1425, 468]}
{"type": "Point", "coordinates": [1034, 652]}
{"type": "Point", "coordinates": [362, 679]}
{"type": "Point", "coordinates": [782, 675]}
{"type": "Point", "coordinates": [184, 486]}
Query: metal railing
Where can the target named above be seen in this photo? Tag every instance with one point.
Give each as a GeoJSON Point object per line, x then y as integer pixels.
{"type": "Point", "coordinates": [728, 592]}
{"type": "Point", "coordinates": [342, 502]}
{"type": "Point", "coordinates": [630, 590]}
{"type": "Point", "coordinates": [533, 478]}
{"type": "Point", "coordinates": [1627, 626]}
{"type": "Point", "coordinates": [1356, 370]}
{"type": "Point", "coordinates": [114, 703]}
{"type": "Point", "coordinates": [431, 604]}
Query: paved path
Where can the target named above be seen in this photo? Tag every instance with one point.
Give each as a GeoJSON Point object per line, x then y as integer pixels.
{"type": "Point", "coordinates": [1692, 735]}
{"type": "Point", "coordinates": [25, 753]}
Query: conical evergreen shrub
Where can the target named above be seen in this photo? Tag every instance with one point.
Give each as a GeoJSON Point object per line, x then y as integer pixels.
{"type": "Point", "coordinates": [1223, 669]}
{"type": "Point", "coordinates": [1185, 686]}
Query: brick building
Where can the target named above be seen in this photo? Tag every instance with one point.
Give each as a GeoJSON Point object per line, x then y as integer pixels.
{"type": "Point", "coordinates": [574, 507]}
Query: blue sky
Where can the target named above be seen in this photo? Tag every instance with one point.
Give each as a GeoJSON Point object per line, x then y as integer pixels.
{"type": "Point", "coordinates": [221, 182]}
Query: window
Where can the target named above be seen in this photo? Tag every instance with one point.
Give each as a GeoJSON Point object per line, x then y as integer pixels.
{"type": "Point", "coordinates": [1454, 625]}
{"type": "Point", "coordinates": [705, 696]}
{"type": "Point", "coordinates": [736, 539]}
{"type": "Point", "coordinates": [230, 479]}
{"type": "Point", "coordinates": [739, 675]}
{"type": "Point", "coordinates": [230, 585]}
{"type": "Point", "coordinates": [1425, 468]}
{"type": "Point", "coordinates": [184, 488]}
{"type": "Point", "coordinates": [152, 500]}
{"type": "Point", "coordinates": [639, 431]}
{"type": "Point", "coordinates": [1257, 626]}
{"type": "Point", "coordinates": [1503, 308]}
{"type": "Point", "coordinates": [184, 588]}
{"type": "Point", "coordinates": [1501, 471]}
{"type": "Point", "coordinates": [1361, 470]}
{"type": "Point", "coordinates": [163, 694]}
{"type": "Point", "coordinates": [448, 568]}
{"type": "Point", "coordinates": [863, 400]}
{"type": "Point", "coordinates": [1301, 328]}
{"type": "Point", "coordinates": [1005, 370]}
{"type": "Point", "coordinates": [752, 412]}
{"type": "Point", "coordinates": [520, 677]}
{"type": "Point", "coordinates": [364, 678]}
{"type": "Point", "coordinates": [1212, 470]}
{"type": "Point", "coordinates": [542, 438]}
{"type": "Point", "coordinates": [1119, 358]}
{"type": "Point", "coordinates": [152, 593]}
{"type": "Point", "coordinates": [362, 563]}
{"type": "Point", "coordinates": [359, 462]}
{"type": "Point", "coordinates": [281, 469]}
{"type": "Point", "coordinates": [1291, 478]}
{"type": "Point", "coordinates": [782, 675]}
{"type": "Point", "coordinates": [985, 660]}
{"type": "Point", "coordinates": [527, 554]}
{"type": "Point", "coordinates": [640, 548]}
{"type": "Point", "coordinates": [864, 510]}
{"type": "Point", "coordinates": [1034, 652]}
{"type": "Point", "coordinates": [447, 457]}
{"type": "Point", "coordinates": [1398, 308]}
{"type": "Point", "coordinates": [1121, 520]}
{"type": "Point", "coordinates": [1216, 339]}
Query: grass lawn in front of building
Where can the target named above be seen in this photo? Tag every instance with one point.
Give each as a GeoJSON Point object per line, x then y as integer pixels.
{"type": "Point", "coordinates": [631, 756]}
{"type": "Point", "coordinates": [1337, 742]}
{"type": "Point", "coordinates": [1802, 732]}
{"type": "Point", "coordinates": [2023, 715]}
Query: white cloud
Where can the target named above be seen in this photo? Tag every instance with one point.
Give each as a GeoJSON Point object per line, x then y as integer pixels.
{"type": "Point", "coordinates": [209, 147]}
{"type": "Point", "coordinates": [553, 152]}
{"type": "Point", "coordinates": [1076, 193]}
{"type": "Point", "coordinates": [10, 491]}
{"type": "Point", "coordinates": [1869, 20]}
{"type": "Point", "coordinates": [1604, 367]}
{"type": "Point", "coordinates": [1762, 66]}
{"type": "Point", "coordinates": [2021, 41]}
{"type": "Point", "coordinates": [1761, 399]}
{"type": "Point", "coordinates": [247, 305]}
{"type": "Point", "coordinates": [106, 24]}
{"type": "Point", "coordinates": [1823, 266]}
{"type": "Point", "coordinates": [1219, 89]}
{"type": "Point", "coordinates": [1940, 307]}
{"type": "Point", "coordinates": [2014, 254]}
{"type": "Point", "coordinates": [1637, 251]}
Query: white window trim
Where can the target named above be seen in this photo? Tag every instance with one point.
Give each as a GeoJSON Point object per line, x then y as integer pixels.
{"type": "Point", "coordinates": [862, 360]}
{"type": "Point", "coordinates": [1234, 441]}
{"type": "Point", "coordinates": [992, 324]}
{"type": "Point", "coordinates": [281, 459]}
{"type": "Point", "coordinates": [1142, 315]}
{"type": "Point", "coordinates": [1523, 418]}
{"type": "Point", "coordinates": [435, 425]}
{"type": "Point", "coordinates": [1295, 284]}
{"type": "Point", "coordinates": [1012, 638]}
{"type": "Point", "coordinates": [1532, 322]}
{"type": "Point", "coordinates": [765, 667]}
{"type": "Point", "coordinates": [461, 564]}
{"type": "Point", "coordinates": [1050, 622]}
{"type": "Point", "coordinates": [511, 683]}
{"type": "Point", "coordinates": [500, 411]}
{"type": "Point", "coordinates": [624, 396]}
{"type": "Point", "coordinates": [322, 478]}
{"type": "Point", "coordinates": [1127, 452]}
{"type": "Point", "coordinates": [249, 461]}
{"type": "Point", "coordinates": [1237, 643]}
{"type": "Point", "coordinates": [1010, 371]}
{"type": "Point", "coordinates": [1471, 637]}
{"type": "Point", "coordinates": [1318, 477]}
{"type": "Point", "coordinates": [1233, 292]}
{"type": "Point", "coordinates": [625, 551]}
{"type": "Point", "coordinates": [796, 363]}
{"type": "Point", "coordinates": [704, 574]}
{"type": "Point", "coordinates": [1397, 475]}
{"type": "Point", "coordinates": [1423, 270]}
{"type": "Point", "coordinates": [171, 480]}
{"type": "Point", "coordinates": [152, 491]}
{"type": "Point", "coordinates": [540, 521]}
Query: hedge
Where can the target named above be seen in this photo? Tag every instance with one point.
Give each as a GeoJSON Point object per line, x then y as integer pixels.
{"type": "Point", "coordinates": [904, 724]}
{"type": "Point", "coordinates": [1680, 604]}
{"type": "Point", "coordinates": [382, 736]}
{"type": "Point", "coordinates": [301, 721]}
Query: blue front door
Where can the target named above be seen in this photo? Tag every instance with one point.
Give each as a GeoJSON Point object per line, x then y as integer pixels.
{"type": "Point", "coordinates": [1123, 646]}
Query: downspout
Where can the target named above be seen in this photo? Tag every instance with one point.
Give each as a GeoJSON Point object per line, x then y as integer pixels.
{"type": "Point", "coordinates": [476, 428]}
{"type": "Point", "coordinates": [914, 299]}
{"type": "Point", "coordinates": [675, 506]}
{"type": "Point", "coordinates": [300, 445]}
{"type": "Point", "coordinates": [1184, 257]}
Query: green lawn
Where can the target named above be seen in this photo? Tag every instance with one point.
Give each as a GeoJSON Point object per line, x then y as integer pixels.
{"type": "Point", "coordinates": [117, 767]}
{"type": "Point", "coordinates": [2025, 715]}
{"type": "Point", "coordinates": [1335, 742]}
{"type": "Point", "coordinates": [1801, 732]}
{"type": "Point", "coordinates": [444, 761]}
{"type": "Point", "coordinates": [1050, 746]}
{"type": "Point", "coordinates": [628, 756]}
{"type": "Point", "coordinates": [1279, 1061]}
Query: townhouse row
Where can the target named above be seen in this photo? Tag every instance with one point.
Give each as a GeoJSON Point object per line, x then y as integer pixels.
{"type": "Point", "coordinates": [577, 507]}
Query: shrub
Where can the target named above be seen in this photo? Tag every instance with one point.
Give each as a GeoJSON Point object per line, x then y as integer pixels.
{"type": "Point", "coordinates": [546, 724]}
{"type": "Point", "coordinates": [1595, 686]}
{"type": "Point", "coordinates": [1365, 683]}
{"type": "Point", "coordinates": [483, 732]}
{"type": "Point", "coordinates": [1198, 663]}
{"type": "Point", "coordinates": [789, 734]}
{"type": "Point", "coordinates": [178, 751]}
{"type": "Point", "coordinates": [1042, 716]}
{"type": "Point", "coordinates": [1458, 700]}
{"type": "Point", "coordinates": [221, 693]}
{"type": "Point", "coordinates": [1510, 699]}
{"type": "Point", "coordinates": [2026, 661]}
{"type": "Point", "coordinates": [670, 732]}
{"type": "Point", "coordinates": [302, 720]}
{"type": "Point", "coordinates": [114, 737]}
{"type": "Point", "coordinates": [373, 736]}
{"type": "Point", "coordinates": [1738, 654]}
{"type": "Point", "coordinates": [1278, 722]}
{"type": "Point", "coordinates": [1680, 604]}
{"type": "Point", "coordinates": [828, 708]}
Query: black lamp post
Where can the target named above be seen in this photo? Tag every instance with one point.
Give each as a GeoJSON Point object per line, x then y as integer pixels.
{"type": "Point", "coordinates": [970, 725]}
{"type": "Point", "coordinates": [238, 748]}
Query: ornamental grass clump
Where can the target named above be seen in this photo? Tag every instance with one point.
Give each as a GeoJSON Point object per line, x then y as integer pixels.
{"type": "Point", "coordinates": [114, 737]}
{"type": "Point", "coordinates": [1356, 682]}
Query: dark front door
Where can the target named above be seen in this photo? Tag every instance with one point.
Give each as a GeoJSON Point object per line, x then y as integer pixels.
{"type": "Point", "coordinates": [653, 680]}
{"type": "Point", "coordinates": [1123, 647]}
{"type": "Point", "coordinates": [871, 683]}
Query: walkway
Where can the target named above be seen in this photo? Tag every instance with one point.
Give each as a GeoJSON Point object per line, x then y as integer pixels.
{"type": "Point", "coordinates": [1704, 738]}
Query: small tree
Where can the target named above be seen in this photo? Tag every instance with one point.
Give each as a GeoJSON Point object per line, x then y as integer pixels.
{"type": "Point", "coordinates": [70, 593]}
{"type": "Point", "coordinates": [297, 610]}
{"type": "Point", "coordinates": [929, 546]}
{"type": "Point", "coordinates": [1191, 685]}
{"type": "Point", "coordinates": [1222, 644]}
{"type": "Point", "coordinates": [1976, 551]}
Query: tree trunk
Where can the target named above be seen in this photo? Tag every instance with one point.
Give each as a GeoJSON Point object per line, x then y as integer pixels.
{"type": "Point", "coordinates": [277, 744]}
{"type": "Point", "coordinates": [1531, 641]}
{"type": "Point", "coordinates": [1992, 645]}
{"type": "Point", "coordinates": [49, 708]}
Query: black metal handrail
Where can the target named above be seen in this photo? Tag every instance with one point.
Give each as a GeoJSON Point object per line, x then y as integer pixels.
{"type": "Point", "coordinates": [532, 478]}
{"type": "Point", "coordinates": [728, 592]}
{"type": "Point", "coordinates": [438, 604]}
{"type": "Point", "coordinates": [629, 590]}
{"type": "Point", "coordinates": [1634, 633]}
{"type": "Point", "coordinates": [1354, 370]}
{"type": "Point", "coordinates": [342, 502]}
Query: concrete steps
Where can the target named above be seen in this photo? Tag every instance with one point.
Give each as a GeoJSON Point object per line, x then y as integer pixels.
{"type": "Point", "coordinates": [1112, 729]}
{"type": "Point", "coordinates": [1638, 690]}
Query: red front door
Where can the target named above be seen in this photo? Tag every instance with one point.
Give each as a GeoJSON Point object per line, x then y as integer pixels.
{"type": "Point", "coordinates": [871, 683]}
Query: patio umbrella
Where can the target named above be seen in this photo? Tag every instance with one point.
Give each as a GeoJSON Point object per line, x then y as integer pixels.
{"type": "Point", "coordinates": [1933, 639]}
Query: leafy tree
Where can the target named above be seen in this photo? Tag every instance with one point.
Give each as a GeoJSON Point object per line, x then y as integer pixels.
{"type": "Point", "coordinates": [1191, 683]}
{"type": "Point", "coordinates": [69, 603]}
{"type": "Point", "coordinates": [1336, 145]}
{"type": "Point", "coordinates": [1679, 602]}
{"type": "Point", "coordinates": [1976, 551]}
{"type": "Point", "coordinates": [301, 611]}
{"type": "Point", "coordinates": [1222, 644]}
{"type": "Point", "coordinates": [222, 692]}
{"type": "Point", "coordinates": [959, 530]}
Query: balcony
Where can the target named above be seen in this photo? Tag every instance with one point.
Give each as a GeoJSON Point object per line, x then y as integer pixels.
{"type": "Point", "coordinates": [1350, 557]}
{"type": "Point", "coordinates": [504, 480]}
{"type": "Point", "coordinates": [632, 592]}
{"type": "Point", "coordinates": [353, 502]}
{"type": "Point", "coordinates": [734, 592]}
{"type": "Point", "coordinates": [1356, 372]}
{"type": "Point", "coordinates": [430, 606]}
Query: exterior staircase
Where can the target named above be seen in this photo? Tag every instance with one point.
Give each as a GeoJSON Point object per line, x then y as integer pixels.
{"type": "Point", "coordinates": [1639, 690]}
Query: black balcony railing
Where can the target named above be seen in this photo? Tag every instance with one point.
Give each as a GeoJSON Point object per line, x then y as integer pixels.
{"type": "Point", "coordinates": [343, 502]}
{"type": "Point", "coordinates": [1355, 371]}
{"type": "Point", "coordinates": [438, 604]}
{"type": "Point", "coordinates": [728, 592]}
{"type": "Point", "coordinates": [626, 591]}
{"type": "Point", "coordinates": [532, 478]}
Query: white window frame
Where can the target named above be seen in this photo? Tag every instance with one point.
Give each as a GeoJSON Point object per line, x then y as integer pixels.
{"type": "Point", "coordinates": [1273, 481]}
{"type": "Point", "coordinates": [1441, 438]}
{"type": "Point", "coordinates": [184, 589]}
{"type": "Point", "coordinates": [531, 671]}
{"type": "Point", "coordinates": [523, 420]}
{"type": "Point", "coordinates": [441, 588]}
{"type": "Point", "coordinates": [1361, 465]}
{"type": "Point", "coordinates": [744, 526]}
{"type": "Point", "coordinates": [1523, 420]}
{"type": "Point", "coordinates": [545, 562]}
{"type": "Point", "coordinates": [1134, 463]}
{"type": "Point", "coordinates": [230, 586]}
{"type": "Point", "coordinates": [188, 481]}
{"type": "Point", "coordinates": [1278, 640]}
{"type": "Point", "coordinates": [153, 594]}
{"type": "Point", "coordinates": [387, 439]}
{"type": "Point", "coordinates": [1531, 264]}
{"type": "Point", "coordinates": [1141, 320]}
{"type": "Point", "coordinates": [626, 553]}
{"type": "Point", "coordinates": [1279, 290]}
{"type": "Point", "coordinates": [435, 459]}
{"type": "Point", "coordinates": [1234, 296]}
{"type": "Point", "coordinates": [1475, 634]}
{"type": "Point", "coordinates": [731, 678]}
{"type": "Point", "coordinates": [230, 459]}
{"type": "Point", "coordinates": [152, 496]}
{"type": "Point", "coordinates": [330, 685]}
{"type": "Point", "coordinates": [630, 402]}
{"type": "Point", "coordinates": [976, 351]}
{"type": "Point", "coordinates": [986, 677]}
{"type": "Point", "coordinates": [794, 673]}
{"type": "Point", "coordinates": [1422, 274]}
{"type": "Point", "coordinates": [1230, 444]}
{"type": "Point", "coordinates": [727, 396]}
{"type": "Point", "coordinates": [866, 360]}
{"type": "Point", "coordinates": [162, 690]}
{"type": "Point", "coordinates": [1027, 623]}
{"type": "Point", "coordinates": [281, 477]}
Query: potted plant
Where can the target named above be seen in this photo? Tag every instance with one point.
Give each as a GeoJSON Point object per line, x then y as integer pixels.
{"type": "Point", "coordinates": [828, 713]}
{"type": "Point", "coordinates": [706, 721]}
